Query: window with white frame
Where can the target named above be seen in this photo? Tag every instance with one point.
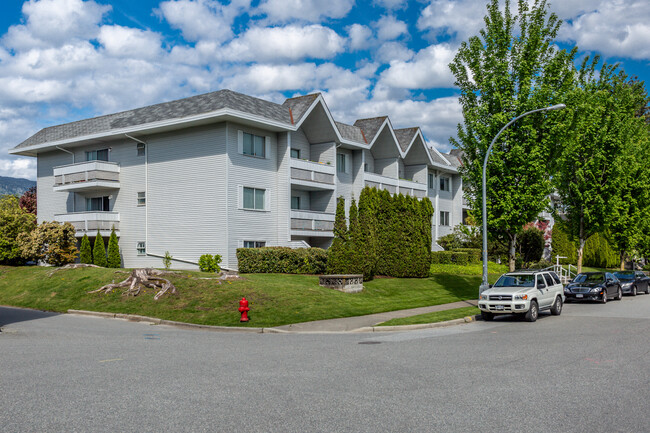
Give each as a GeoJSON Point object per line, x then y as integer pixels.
{"type": "Point", "coordinates": [444, 218]}
{"type": "Point", "coordinates": [141, 248]}
{"type": "Point", "coordinates": [254, 244]}
{"type": "Point", "coordinates": [340, 163]}
{"type": "Point", "coordinates": [295, 202]}
{"type": "Point", "coordinates": [100, 204]}
{"type": "Point", "coordinates": [254, 198]}
{"type": "Point", "coordinates": [444, 183]}
{"type": "Point", "coordinates": [97, 155]}
{"type": "Point", "coordinates": [140, 149]}
{"type": "Point", "coordinates": [295, 153]}
{"type": "Point", "coordinates": [432, 181]}
{"type": "Point", "coordinates": [254, 145]}
{"type": "Point", "coordinates": [142, 198]}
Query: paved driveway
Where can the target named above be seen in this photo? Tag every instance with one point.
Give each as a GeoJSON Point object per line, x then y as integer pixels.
{"type": "Point", "coordinates": [587, 370]}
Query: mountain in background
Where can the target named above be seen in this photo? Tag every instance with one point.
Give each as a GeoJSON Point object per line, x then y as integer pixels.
{"type": "Point", "coordinates": [15, 185]}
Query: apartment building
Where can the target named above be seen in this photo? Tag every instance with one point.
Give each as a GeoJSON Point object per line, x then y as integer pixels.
{"type": "Point", "coordinates": [221, 171]}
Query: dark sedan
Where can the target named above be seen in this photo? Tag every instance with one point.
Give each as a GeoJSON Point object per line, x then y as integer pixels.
{"type": "Point", "coordinates": [594, 286]}
{"type": "Point", "coordinates": [633, 282]}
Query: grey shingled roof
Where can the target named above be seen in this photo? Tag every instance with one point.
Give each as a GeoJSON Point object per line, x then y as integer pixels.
{"type": "Point", "coordinates": [405, 136]}
{"type": "Point", "coordinates": [370, 127]}
{"type": "Point", "coordinates": [350, 132]}
{"type": "Point", "coordinates": [299, 105]}
{"type": "Point", "coordinates": [178, 109]}
{"type": "Point", "coordinates": [455, 157]}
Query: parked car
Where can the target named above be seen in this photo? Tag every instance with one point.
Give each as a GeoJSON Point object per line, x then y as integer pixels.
{"type": "Point", "coordinates": [524, 293]}
{"type": "Point", "coordinates": [594, 286]}
{"type": "Point", "coordinates": [633, 282]}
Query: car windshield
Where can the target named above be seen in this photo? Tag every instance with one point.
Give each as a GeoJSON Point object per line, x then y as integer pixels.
{"type": "Point", "coordinates": [516, 281]}
{"type": "Point", "coordinates": [590, 278]}
{"type": "Point", "coordinates": [624, 275]}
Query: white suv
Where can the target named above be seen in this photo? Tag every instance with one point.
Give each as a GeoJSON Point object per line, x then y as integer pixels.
{"type": "Point", "coordinates": [525, 293]}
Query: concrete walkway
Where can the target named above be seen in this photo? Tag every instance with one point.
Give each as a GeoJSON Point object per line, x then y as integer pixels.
{"type": "Point", "coordinates": [353, 323]}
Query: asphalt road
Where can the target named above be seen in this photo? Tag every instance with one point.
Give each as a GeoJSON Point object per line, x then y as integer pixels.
{"type": "Point", "coordinates": [587, 370]}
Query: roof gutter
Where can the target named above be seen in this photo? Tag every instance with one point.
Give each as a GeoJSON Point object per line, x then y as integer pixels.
{"type": "Point", "coordinates": [66, 151]}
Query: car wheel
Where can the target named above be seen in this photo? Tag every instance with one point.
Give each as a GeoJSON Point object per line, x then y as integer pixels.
{"type": "Point", "coordinates": [619, 294]}
{"type": "Point", "coordinates": [556, 309]}
{"type": "Point", "coordinates": [647, 289]}
{"type": "Point", "coordinates": [533, 312]}
{"type": "Point", "coordinates": [633, 290]}
{"type": "Point", "coordinates": [603, 300]}
{"type": "Point", "coordinates": [487, 316]}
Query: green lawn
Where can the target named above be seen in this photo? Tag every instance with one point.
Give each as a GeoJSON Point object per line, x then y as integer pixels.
{"type": "Point", "coordinates": [275, 299]}
{"type": "Point", "coordinates": [438, 316]}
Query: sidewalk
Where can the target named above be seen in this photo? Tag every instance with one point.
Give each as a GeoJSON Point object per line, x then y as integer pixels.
{"type": "Point", "coordinates": [353, 323]}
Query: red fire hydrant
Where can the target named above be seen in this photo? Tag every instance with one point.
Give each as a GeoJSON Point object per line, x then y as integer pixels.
{"type": "Point", "coordinates": [243, 309]}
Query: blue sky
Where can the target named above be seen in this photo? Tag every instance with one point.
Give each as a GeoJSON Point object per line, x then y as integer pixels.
{"type": "Point", "coordinates": [64, 60]}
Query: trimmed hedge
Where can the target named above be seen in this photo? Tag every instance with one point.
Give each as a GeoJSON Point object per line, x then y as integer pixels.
{"type": "Point", "coordinates": [474, 254]}
{"type": "Point", "coordinates": [450, 257]}
{"type": "Point", "coordinates": [281, 260]}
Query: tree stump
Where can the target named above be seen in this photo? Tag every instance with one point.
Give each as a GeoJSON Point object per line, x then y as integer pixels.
{"type": "Point", "coordinates": [139, 279]}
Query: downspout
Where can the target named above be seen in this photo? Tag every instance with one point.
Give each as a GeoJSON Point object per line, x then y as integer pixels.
{"type": "Point", "coordinates": [74, 194]}
{"type": "Point", "coordinates": [146, 190]}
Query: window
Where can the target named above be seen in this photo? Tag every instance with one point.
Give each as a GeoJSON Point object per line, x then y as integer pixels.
{"type": "Point", "coordinates": [444, 218]}
{"type": "Point", "coordinates": [444, 184]}
{"type": "Point", "coordinates": [365, 167]}
{"type": "Point", "coordinates": [340, 163]}
{"type": "Point", "coordinates": [295, 153]}
{"type": "Point", "coordinates": [540, 282]}
{"type": "Point", "coordinates": [99, 204]}
{"type": "Point", "coordinates": [254, 198]}
{"type": "Point", "coordinates": [97, 155]}
{"type": "Point", "coordinates": [142, 199]}
{"type": "Point", "coordinates": [432, 181]}
{"type": "Point", "coordinates": [254, 244]}
{"type": "Point", "coordinates": [549, 280]}
{"type": "Point", "coordinates": [254, 145]}
{"type": "Point", "coordinates": [295, 202]}
{"type": "Point", "coordinates": [141, 248]}
{"type": "Point", "coordinates": [140, 149]}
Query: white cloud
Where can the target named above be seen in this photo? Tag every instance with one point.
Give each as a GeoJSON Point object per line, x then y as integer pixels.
{"type": "Point", "coordinates": [427, 70]}
{"type": "Point", "coordinates": [360, 37]}
{"type": "Point", "coordinates": [305, 10]}
{"type": "Point", "coordinates": [18, 167]}
{"type": "Point", "coordinates": [55, 22]}
{"type": "Point", "coordinates": [459, 19]}
{"type": "Point", "coordinates": [389, 28]}
{"type": "Point", "coordinates": [276, 44]}
{"type": "Point", "coordinates": [129, 42]}
{"type": "Point", "coordinates": [391, 4]}
{"type": "Point", "coordinates": [391, 52]}
{"type": "Point", "coordinates": [202, 19]}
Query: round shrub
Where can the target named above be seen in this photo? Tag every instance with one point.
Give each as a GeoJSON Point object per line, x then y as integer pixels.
{"type": "Point", "coordinates": [210, 263]}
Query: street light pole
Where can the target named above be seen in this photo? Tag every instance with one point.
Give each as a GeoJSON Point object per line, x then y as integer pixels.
{"type": "Point", "coordinates": [484, 282]}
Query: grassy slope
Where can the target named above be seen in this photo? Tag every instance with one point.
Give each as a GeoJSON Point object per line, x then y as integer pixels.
{"type": "Point", "coordinates": [438, 316]}
{"type": "Point", "coordinates": [275, 299]}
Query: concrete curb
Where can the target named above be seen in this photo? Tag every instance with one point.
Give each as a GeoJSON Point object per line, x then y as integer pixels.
{"type": "Point", "coordinates": [156, 321]}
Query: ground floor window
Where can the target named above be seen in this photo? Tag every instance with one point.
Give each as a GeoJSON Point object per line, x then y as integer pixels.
{"type": "Point", "coordinates": [141, 248]}
{"type": "Point", "coordinates": [444, 218]}
{"type": "Point", "coordinates": [254, 244]}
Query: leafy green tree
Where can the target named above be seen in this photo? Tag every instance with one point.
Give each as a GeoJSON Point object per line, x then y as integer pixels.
{"type": "Point", "coordinates": [589, 173]}
{"type": "Point", "coordinates": [99, 251]}
{"type": "Point", "coordinates": [114, 259]}
{"type": "Point", "coordinates": [598, 252]}
{"type": "Point", "coordinates": [367, 239]}
{"type": "Point", "coordinates": [51, 242]}
{"type": "Point", "coordinates": [338, 252]}
{"type": "Point", "coordinates": [562, 246]}
{"type": "Point", "coordinates": [85, 252]}
{"type": "Point", "coordinates": [531, 244]}
{"type": "Point", "coordinates": [13, 222]}
{"type": "Point", "coordinates": [512, 67]}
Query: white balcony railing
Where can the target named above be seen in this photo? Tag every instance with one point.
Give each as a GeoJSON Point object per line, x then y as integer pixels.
{"type": "Point", "coordinates": [309, 173]}
{"type": "Point", "coordinates": [90, 222]}
{"type": "Point", "coordinates": [312, 223]}
{"type": "Point", "coordinates": [394, 186]}
{"type": "Point", "coordinates": [87, 176]}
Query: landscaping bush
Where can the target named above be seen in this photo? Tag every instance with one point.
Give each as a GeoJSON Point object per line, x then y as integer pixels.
{"type": "Point", "coordinates": [51, 242]}
{"type": "Point", "coordinates": [282, 260]}
{"type": "Point", "coordinates": [598, 253]}
{"type": "Point", "coordinates": [14, 221]}
{"type": "Point", "coordinates": [99, 251]}
{"type": "Point", "coordinates": [85, 252]}
{"type": "Point", "coordinates": [460, 258]}
{"type": "Point", "coordinates": [114, 259]}
{"type": "Point", "coordinates": [210, 263]}
{"type": "Point", "coordinates": [562, 246]}
{"type": "Point", "coordinates": [473, 254]}
{"type": "Point", "coordinates": [449, 257]}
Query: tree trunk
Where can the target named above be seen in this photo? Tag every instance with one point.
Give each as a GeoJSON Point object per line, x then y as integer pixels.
{"type": "Point", "coordinates": [622, 260]}
{"type": "Point", "coordinates": [581, 249]}
{"type": "Point", "coordinates": [512, 252]}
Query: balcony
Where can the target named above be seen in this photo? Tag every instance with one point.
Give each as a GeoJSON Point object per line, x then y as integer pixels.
{"type": "Point", "coordinates": [312, 223]}
{"type": "Point", "coordinates": [311, 175]}
{"type": "Point", "coordinates": [87, 176]}
{"type": "Point", "coordinates": [89, 222]}
{"type": "Point", "coordinates": [394, 186]}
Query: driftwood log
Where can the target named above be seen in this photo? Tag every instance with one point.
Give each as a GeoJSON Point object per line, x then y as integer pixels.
{"type": "Point", "coordinates": [139, 279]}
